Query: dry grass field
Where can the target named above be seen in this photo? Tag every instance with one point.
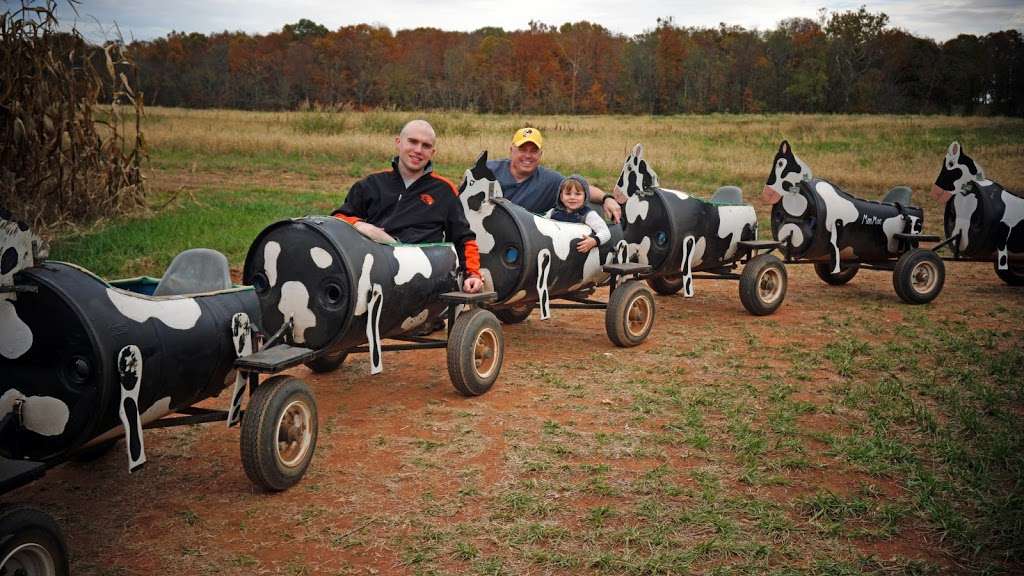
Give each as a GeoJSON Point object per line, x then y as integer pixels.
{"type": "Point", "coordinates": [848, 433]}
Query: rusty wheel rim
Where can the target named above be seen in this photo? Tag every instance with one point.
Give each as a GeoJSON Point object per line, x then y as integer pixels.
{"type": "Point", "coordinates": [924, 276]}
{"type": "Point", "coordinates": [769, 285]}
{"type": "Point", "coordinates": [485, 353]}
{"type": "Point", "coordinates": [638, 316]}
{"type": "Point", "coordinates": [294, 433]}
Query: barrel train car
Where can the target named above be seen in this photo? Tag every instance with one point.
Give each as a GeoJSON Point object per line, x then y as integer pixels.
{"type": "Point", "coordinates": [86, 362]}
{"type": "Point", "coordinates": [982, 220]}
{"type": "Point", "coordinates": [817, 222]}
{"type": "Point", "coordinates": [679, 235]}
{"type": "Point", "coordinates": [325, 287]}
{"type": "Point", "coordinates": [531, 261]}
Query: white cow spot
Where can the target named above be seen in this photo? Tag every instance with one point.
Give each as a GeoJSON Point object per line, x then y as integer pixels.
{"type": "Point", "coordinates": [363, 285]}
{"type": "Point", "coordinates": [698, 252]}
{"type": "Point", "coordinates": [964, 206]}
{"type": "Point", "coordinates": [44, 415]}
{"type": "Point", "coordinates": [681, 195]}
{"type": "Point", "coordinates": [414, 321]}
{"type": "Point", "coordinates": [592, 272]}
{"type": "Point", "coordinates": [411, 261]}
{"type": "Point", "coordinates": [16, 336]}
{"type": "Point", "coordinates": [271, 250]}
{"type": "Point", "coordinates": [561, 233]}
{"type": "Point", "coordinates": [731, 220]}
{"type": "Point", "coordinates": [159, 408]}
{"type": "Point", "coordinates": [294, 304]}
{"type": "Point", "coordinates": [838, 211]}
{"type": "Point", "coordinates": [639, 252]}
{"type": "Point", "coordinates": [516, 297]}
{"type": "Point", "coordinates": [177, 313]}
{"type": "Point", "coordinates": [794, 203]}
{"type": "Point", "coordinates": [891, 226]}
{"type": "Point", "coordinates": [636, 209]}
{"type": "Point", "coordinates": [793, 232]}
{"type": "Point", "coordinates": [322, 258]}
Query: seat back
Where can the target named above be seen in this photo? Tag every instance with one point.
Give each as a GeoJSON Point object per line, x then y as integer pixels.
{"type": "Point", "coordinates": [194, 271]}
{"type": "Point", "coordinates": [898, 195]}
{"type": "Point", "coordinates": [728, 195]}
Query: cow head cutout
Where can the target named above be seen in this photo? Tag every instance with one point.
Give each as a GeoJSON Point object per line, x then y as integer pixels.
{"type": "Point", "coordinates": [957, 170]}
{"type": "Point", "coordinates": [788, 170]}
{"type": "Point", "coordinates": [637, 176]}
{"type": "Point", "coordinates": [20, 248]}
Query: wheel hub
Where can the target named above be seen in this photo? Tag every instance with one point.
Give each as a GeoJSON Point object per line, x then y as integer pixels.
{"type": "Point", "coordinates": [769, 287]}
{"type": "Point", "coordinates": [485, 353]}
{"type": "Point", "coordinates": [29, 559]}
{"type": "Point", "coordinates": [923, 277]}
{"type": "Point", "coordinates": [638, 316]}
{"type": "Point", "coordinates": [294, 434]}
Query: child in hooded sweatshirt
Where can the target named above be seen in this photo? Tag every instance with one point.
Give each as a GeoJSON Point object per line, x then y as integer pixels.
{"type": "Point", "coordinates": [572, 207]}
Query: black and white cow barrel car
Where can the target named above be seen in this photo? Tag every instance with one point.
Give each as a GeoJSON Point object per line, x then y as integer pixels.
{"type": "Point", "coordinates": [679, 235]}
{"type": "Point", "coordinates": [329, 289]}
{"type": "Point", "coordinates": [983, 220]}
{"type": "Point", "coordinates": [86, 362]}
{"type": "Point", "coordinates": [818, 222]}
{"type": "Point", "coordinates": [531, 261]}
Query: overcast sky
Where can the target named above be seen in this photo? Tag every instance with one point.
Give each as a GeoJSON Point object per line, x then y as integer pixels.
{"type": "Point", "coordinates": [148, 19]}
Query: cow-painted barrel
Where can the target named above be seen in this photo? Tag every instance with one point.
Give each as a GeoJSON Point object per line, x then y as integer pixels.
{"type": "Point", "coordinates": [820, 222]}
{"type": "Point", "coordinates": [978, 215]}
{"type": "Point", "coordinates": [339, 289]}
{"type": "Point", "coordinates": [529, 260]}
{"type": "Point", "coordinates": [526, 257]}
{"type": "Point", "coordinates": [677, 233]}
{"type": "Point", "coordinates": [60, 342]}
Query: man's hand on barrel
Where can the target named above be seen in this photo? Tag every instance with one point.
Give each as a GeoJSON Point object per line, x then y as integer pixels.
{"type": "Point", "coordinates": [373, 232]}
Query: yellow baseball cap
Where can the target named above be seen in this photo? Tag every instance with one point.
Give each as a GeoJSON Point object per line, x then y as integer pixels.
{"type": "Point", "coordinates": [524, 135]}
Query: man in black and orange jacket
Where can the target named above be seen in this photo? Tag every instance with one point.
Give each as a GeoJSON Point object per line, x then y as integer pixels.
{"type": "Point", "coordinates": [411, 204]}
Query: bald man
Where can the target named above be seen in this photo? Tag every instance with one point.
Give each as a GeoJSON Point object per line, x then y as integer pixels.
{"type": "Point", "coordinates": [411, 204]}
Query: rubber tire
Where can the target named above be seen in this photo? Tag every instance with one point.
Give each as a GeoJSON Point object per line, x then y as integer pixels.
{"type": "Point", "coordinates": [469, 327]}
{"type": "Point", "coordinates": [513, 315]}
{"type": "Point", "coordinates": [846, 273]}
{"type": "Point", "coordinates": [666, 285]}
{"type": "Point", "coordinates": [616, 317]}
{"type": "Point", "coordinates": [1014, 275]}
{"type": "Point", "coordinates": [22, 525]}
{"type": "Point", "coordinates": [258, 440]}
{"type": "Point", "coordinates": [94, 453]}
{"type": "Point", "coordinates": [750, 280]}
{"type": "Point", "coordinates": [327, 362]}
{"type": "Point", "coordinates": [903, 283]}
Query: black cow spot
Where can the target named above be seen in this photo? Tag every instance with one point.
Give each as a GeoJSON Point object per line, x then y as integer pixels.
{"type": "Point", "coordinates": [9, 260]}
{"type": "Point", "coordinates": [475, 202]}
{"type": "Point", "coordinates": [22, 226]}
{"type": "Point", "coordinates": [131, 411]}
{"type": "Point", "coordinates": [1002, 261]}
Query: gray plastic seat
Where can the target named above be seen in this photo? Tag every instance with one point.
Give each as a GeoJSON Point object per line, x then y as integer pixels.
{"type": "Point", "coordinates": [898, 195]}
{"type": "Point", "coordinates": [194, 271]}
{"type": "Point", "coordinates": [728, 195]}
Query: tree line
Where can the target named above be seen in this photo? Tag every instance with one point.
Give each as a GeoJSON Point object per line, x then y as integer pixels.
{"type": "Point", "coordinates": [843, 62]}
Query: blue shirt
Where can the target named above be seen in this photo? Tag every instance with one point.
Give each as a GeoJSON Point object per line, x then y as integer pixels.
{"type": "Point", "coordinates": [538, 193]}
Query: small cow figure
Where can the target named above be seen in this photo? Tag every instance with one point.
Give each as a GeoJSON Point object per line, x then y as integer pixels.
{"type": "Point", "coordinates": [984, 217]}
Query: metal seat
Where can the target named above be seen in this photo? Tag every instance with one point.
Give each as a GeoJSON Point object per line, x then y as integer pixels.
{"type": "Point", "coordinates": [898, 195]}
{"type": "Point", "coordinates": [728, 195]}
{"type": "Point", "coordinates": [195, 271]}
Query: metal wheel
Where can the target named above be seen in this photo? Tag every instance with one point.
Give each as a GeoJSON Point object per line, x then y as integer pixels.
{"type": "Point", "coordinates": [845, 274]}
{"type": "Point", "coordinates": [514, 314]}
{"type": "Point", "coordinates": [763, 285]}
{"type": "Point", "coordinates": [629, 318]}
{"type": "Point", "coordinates": [279, 432]}
{"type": "Point", "coordinates": [476, 350]}
{"type": "Point", "coordinates": [919, 276]}
{"type": "Point", "coordinates": [31, 544]}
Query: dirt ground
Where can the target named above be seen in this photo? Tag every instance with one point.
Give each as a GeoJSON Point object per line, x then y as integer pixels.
{"type": "Point", "coordinates": [401, 456]}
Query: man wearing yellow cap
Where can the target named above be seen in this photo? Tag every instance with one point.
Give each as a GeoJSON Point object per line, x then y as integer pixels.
{"type": "Point", "coordinates": [526, 183]}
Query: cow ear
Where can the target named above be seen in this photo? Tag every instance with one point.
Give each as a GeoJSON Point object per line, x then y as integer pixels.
{"type": "Point", "coordinates": [481, 160]}
{"type": "Point", "coordinates": [638, 150]}
{"type": "Point", "coordinates": [954, 149]}
{"type": "Point", "coordinates": [784, 147]}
